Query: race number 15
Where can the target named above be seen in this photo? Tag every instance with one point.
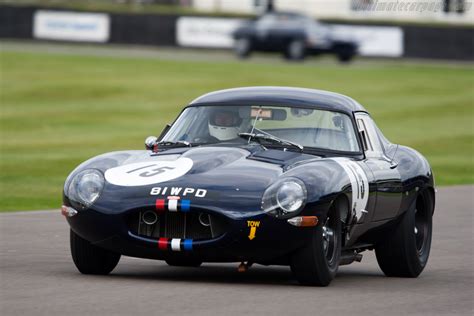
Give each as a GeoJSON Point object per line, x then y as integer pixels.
{"type": "Point", "coordinates": [150, 170]}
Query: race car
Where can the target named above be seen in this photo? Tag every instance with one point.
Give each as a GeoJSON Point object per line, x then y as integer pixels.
{"type": "Point", "coordinates": [265, 175]}
{"type": "Point", "coordinates": [292, 34]}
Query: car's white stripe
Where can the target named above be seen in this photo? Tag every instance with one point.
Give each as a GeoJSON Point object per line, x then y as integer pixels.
{"type": "Point", "coordinates": [173, 205]}
{"type": "Point", "coordinates": [175, 244]}
{"type": "Point", "coordinates": [359, 185]}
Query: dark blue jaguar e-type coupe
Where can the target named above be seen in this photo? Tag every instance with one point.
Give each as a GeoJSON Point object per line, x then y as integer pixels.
{"type": "Point", "coordinates": [266, 175]}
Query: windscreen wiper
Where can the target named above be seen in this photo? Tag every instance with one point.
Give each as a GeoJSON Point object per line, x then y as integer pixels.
{"type": "Point", "coordinates": [270, 138]}
{"type": "Point", "coordinates": [179, 143]}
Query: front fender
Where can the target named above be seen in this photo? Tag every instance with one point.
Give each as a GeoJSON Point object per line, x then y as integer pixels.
{"type": "Point", "coordinates": [324, 179]}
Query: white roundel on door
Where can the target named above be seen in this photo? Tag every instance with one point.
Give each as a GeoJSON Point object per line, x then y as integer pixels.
{"type": "Point", "coordinates": [359, 185]}
{"type": "Point", "coordinates": [150, 172]}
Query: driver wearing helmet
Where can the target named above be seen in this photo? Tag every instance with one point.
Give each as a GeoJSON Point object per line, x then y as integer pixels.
{"type": "Point", "coordinates": [224, 124]}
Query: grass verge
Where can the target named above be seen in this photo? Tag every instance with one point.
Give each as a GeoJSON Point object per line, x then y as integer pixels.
{"type": "Point", "coordinates": [58, 110]}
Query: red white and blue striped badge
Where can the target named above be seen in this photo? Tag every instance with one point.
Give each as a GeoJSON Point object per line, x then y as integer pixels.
{"type": "Point", "coordinates": [172, 204]}
{"type": "Point", "coordinates": [175, 244]}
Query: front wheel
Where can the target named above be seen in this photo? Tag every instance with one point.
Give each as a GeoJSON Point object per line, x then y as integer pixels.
{"type": "Point", "coordinates": [345, 53]}
{"type": "Point", "coordinates": [90, 259]}
{"type": "Point", "coordinates": [318, 261]}
{"type": "Point", "coordinates": [345, 57]}
{"type": "Point", "coordinates": [404, 251]}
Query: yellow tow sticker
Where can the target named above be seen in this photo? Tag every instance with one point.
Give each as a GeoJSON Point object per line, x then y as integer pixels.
{"type": "Point", "coordinates": [253, 228]}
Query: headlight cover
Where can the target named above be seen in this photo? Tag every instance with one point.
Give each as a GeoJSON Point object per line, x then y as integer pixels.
{"type": "Point", "coordinates": [285, 198]}
{"type": "Point", "coordinates": [86, 187]}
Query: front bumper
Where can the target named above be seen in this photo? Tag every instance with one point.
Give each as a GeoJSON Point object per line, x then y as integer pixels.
{"type": "Point", "coordinates": [257, 238]}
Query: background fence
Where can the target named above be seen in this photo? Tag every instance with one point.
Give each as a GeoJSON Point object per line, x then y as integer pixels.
{"type": "Point", "coordinates": [416, 41]}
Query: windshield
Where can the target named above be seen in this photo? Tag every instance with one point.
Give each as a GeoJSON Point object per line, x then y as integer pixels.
{"type": "Point", "coordinates": [304, 126]}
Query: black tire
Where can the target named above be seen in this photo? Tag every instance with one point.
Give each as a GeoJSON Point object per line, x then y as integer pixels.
{"type": "Point", "coordinates": [242, 47]}
{"type": "Point", "coordinates": [345, 57]}
{"type": "Point", "coordinates": [295, 50]}
{"type": "Point", "coordinates": [405, 250]}
{"type": "Point", "coordinates": [345, 53]}
{"type": "Point", "coordinates": [316, 264]}
{"type": "Point", "coordinates": [90, 259]}
{"type": "Point", "coordinates": [183, 263]}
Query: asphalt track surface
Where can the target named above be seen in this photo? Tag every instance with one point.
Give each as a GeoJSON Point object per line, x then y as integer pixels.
{"type": "Point", "coordinates": [38, 277]}
{"type": "Point", "coordinates": [196, 54]}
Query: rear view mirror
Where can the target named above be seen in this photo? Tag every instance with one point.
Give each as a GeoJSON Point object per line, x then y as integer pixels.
{"type": "Point", "coordinates": [268, 114]}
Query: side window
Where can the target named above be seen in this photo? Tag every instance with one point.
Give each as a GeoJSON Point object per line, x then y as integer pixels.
{"type": "Point", "coordinates": [370, 139]}
{"type": "Point", "coordinates": [363, 133]}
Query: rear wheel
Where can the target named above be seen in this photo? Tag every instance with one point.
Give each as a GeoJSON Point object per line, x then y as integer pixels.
{"type": "Point", "coordinates": [318, 261]}
{"type": "Point", "coordinates": [242, 47]}
{"type": "Point", "coordinates": [296, 50]}
{"type": "Point", "coordinates": [90, 259]}
{"type": "Point", "coordinates": [405, 250]}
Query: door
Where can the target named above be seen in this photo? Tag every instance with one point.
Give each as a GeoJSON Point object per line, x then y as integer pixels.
{"type": "Point", "coordinates": [387, 177]}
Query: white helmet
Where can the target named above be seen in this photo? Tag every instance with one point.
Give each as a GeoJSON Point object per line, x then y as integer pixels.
{"type": "Point", "coordinates": [224, 124]}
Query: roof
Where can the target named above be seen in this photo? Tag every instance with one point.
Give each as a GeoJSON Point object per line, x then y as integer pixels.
{"type": "Point", "coordinates": [280, 96]}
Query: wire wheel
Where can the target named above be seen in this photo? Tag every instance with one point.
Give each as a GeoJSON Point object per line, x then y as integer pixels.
{"type": "Point", "coordinates": [404, 250]}
{"type": "Point", "coordinates": [317, 262]}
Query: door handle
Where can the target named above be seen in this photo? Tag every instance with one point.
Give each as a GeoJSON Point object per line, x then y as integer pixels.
{"type": "Point", "coordinates": [393, 165]}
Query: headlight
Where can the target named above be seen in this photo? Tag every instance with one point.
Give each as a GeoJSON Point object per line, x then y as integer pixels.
{"type": "Point", "coordinates": [284, 198]}
{"type": "Point", "coordinates": [86, 187]}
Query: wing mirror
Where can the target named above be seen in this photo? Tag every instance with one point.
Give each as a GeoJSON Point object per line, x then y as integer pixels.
{"type": "Point", "coordinates": [150, 142]}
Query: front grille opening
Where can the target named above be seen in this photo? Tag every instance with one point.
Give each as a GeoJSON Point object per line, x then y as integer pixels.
{"type": "Point", "coordinates": [195, 226]}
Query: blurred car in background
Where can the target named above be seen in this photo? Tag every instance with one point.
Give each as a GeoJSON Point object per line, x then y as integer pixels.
{"type": "Point", "coordinates": [294, 35]}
